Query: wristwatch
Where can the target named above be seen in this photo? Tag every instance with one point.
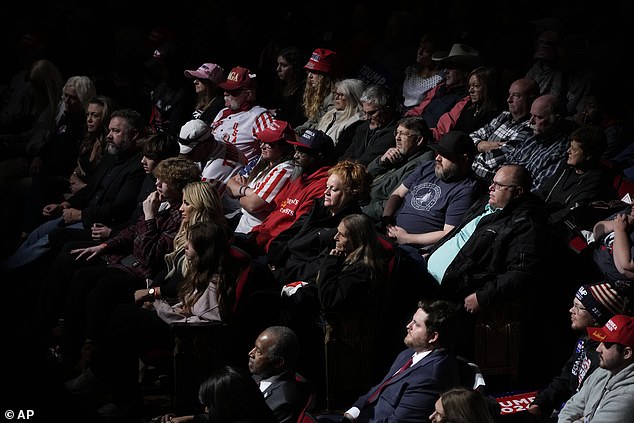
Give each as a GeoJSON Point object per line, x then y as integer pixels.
{"type": "Point", "coordinates": [152, 292]}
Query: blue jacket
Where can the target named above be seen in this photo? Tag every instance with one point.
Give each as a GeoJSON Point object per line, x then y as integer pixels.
{"type": "Point", "coordinates": [411, 395]}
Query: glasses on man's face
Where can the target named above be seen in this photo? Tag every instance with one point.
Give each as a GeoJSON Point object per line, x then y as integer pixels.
{"type": "Point", "coordinates": [339, 95]}
{"type": "Point", "coordinates": [371, 113]}
{"type": "Point", "coordinates": [608, 345]}
{"type": "Point", "coordinates": [402, 134]}
{"type": "Point", "coordinates": [502, 187]}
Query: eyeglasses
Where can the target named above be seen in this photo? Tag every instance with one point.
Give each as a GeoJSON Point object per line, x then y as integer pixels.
{"type": "Point", "coordinates": [267, 146]}
{"type": "Point", "coordinates": [404, 134]}
{"type": "Point", "coordinates": [339, 95]}
{"type": "Point", "coordinates": [608, 345]}
{"type": "Point", "coordinates": [501, 187]}
{"type": "Point", "coordinates": [371, 113]}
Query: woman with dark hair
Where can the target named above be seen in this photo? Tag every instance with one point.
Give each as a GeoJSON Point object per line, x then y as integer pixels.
{"type": "Point", "coordinates": [206, 293]}
{"type": "Point", "coordinates": [352, 288]}
{"type": "Point", "coordinates": [352, 275]}
{"type": "Point", "coordinates": [231, 395]}
{"type": "Point", "coordinates": [484, 103]}
{"type": "Point", "coordinates": [291, 79]}
{"type": "Point", "coordinates": [462, 405]}
{"type": "Point", "coordinates": [209, 96]}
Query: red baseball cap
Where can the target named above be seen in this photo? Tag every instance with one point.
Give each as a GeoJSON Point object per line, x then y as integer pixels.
{"type": "Point", "coordinates": [239, 78]}
{"type": "Point", "coordinates": [619, 329]}
{"type": "Point", "coordinates": [322, 60]}
{"type": "Point", "coordinates": [278, 130]}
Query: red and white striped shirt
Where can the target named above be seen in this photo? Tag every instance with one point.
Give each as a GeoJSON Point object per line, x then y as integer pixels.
{"type": "Point", "coordinates": [266, 185]}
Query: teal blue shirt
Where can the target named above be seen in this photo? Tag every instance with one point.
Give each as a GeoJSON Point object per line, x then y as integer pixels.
{"type": "Point", "coordinates": [440, 259]}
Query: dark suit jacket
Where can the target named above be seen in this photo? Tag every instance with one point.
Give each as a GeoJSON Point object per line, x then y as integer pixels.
{"type": "Point", "coordinates": [411, 395]}
{"type": "Point", "coordinates": [285, 397]}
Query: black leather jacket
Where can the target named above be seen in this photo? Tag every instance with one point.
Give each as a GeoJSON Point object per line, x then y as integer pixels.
{"type": "Point", "coordinates": [503, 257]}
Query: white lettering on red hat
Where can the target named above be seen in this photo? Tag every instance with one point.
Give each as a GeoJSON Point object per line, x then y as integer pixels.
{"type": "Point", "coordinates": [611, 326]}
{"type": "Point", "coordinates": [233, 76]}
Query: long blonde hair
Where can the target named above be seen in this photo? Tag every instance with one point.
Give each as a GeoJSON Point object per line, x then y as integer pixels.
{"type": "Point", "coordinates": [314, 96]}
{"type": "Point", "coordinates": [203, 197]}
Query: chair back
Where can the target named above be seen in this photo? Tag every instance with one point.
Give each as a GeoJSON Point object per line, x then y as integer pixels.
{"type": "Point", "coordinates": [311, 398]}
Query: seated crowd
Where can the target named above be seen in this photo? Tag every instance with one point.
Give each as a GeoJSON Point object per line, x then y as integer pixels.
{"type": "Point", "coordinates": [326, 243]}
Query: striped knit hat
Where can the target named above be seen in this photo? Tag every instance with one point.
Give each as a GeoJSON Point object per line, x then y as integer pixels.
{"type": "Point", "coordinates": [604, 299]}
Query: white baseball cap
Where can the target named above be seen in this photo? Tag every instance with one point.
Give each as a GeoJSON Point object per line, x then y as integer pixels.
{"type": "Point", "coordinates": [192, 133]}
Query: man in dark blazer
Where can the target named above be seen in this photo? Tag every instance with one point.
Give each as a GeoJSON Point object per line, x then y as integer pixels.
{"type": "Point", "coordinates": [419, 374]}
{"type": "Point", "coordinates": [272, 362]}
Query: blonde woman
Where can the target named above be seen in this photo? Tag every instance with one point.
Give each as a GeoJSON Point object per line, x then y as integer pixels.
{"type": "Point", "coordinates": [205, 294]}
{"type": "Point", "coordinates": [201, 203]}
{"type": "Point", "coordinates": [293, 253]}
{"type": "Point", "coordinates": [340, 122]}
{"type": "Point", "coordinates": [318, 92]}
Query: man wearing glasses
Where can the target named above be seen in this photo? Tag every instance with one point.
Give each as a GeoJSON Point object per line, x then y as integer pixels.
{"type": "Point", "coordinates": [242, 118]}
{"type": "Point", "coordinates": [375, 135]}
{"type": "Point", "coordinates": [608, 393]}
{"type": "Point", "coordinates": [390, 169]}
{"type": "Point", "coordinates": [497, 255]}
{"type": "Point", "coordinates": [592, 306]}
{"type": "Point", "coordinates": [495, 252]}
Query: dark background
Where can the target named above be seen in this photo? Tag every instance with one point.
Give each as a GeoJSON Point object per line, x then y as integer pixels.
{"type": "Point", "coordinates": [94, 37]}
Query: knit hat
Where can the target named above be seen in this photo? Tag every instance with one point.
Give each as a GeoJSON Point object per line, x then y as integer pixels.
{"type": "Point", "coordinates": [604, 299]}
{"type": "Point", "coordinates": [619, 329]}
{"type": "Point", "coordinates": [208, 71]}
{"type": "Point", "coordinates": [322, 60]}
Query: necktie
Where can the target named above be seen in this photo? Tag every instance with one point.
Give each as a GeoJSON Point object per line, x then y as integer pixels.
{"type": "Point", "coordinates": [378, 390]}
